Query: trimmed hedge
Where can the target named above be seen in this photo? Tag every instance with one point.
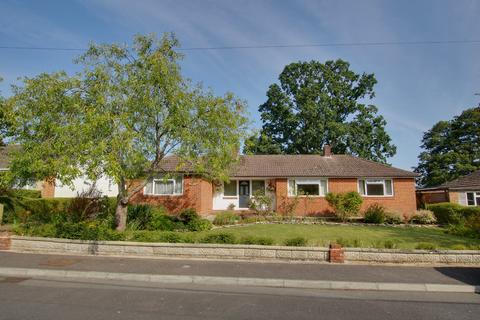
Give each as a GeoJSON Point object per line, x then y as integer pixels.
{"type": "Point", "coordinates": [452, 213]}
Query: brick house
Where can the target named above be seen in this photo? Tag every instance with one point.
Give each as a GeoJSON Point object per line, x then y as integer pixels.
{"type": "Point", "coordinates": [464, 190]}
{"type": "Point", "coordinates": [285, 178]}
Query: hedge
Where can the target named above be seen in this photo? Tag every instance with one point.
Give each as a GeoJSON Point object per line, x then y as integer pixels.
{"type": "Point", "coordinates": [448, 213]}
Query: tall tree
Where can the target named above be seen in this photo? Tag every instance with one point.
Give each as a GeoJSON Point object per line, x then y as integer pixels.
{"type": "Point", "coordinates": [120, 117]}
{"type": "Point", "coordinates": [317, 104]}
{"type": "Point", "coordinates": [451, 149]}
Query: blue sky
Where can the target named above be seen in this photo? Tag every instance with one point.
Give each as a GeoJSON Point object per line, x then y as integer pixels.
{"type": "Point", "coordinates": [417, 85]}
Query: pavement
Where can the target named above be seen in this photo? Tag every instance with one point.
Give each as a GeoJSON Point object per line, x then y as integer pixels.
{"type": "Point", "coordinates": [268, 274]}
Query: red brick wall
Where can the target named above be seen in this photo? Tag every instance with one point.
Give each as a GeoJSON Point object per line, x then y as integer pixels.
{"type": "Point", "coordinates": [197, 194]}
{"type": "Point", "coordinates": [48, 188]}
{"type": "Point", "coordinates": [403, 199]}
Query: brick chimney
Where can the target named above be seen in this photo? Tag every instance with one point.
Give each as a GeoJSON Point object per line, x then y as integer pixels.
{"type": "Point", "coordinates": [327, 150]}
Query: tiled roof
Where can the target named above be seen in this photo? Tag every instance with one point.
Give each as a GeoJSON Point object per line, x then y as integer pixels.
{"type": "Point", "coordinates": [471, 180]}
{"type": "Point", "coordinates": [305, 166]}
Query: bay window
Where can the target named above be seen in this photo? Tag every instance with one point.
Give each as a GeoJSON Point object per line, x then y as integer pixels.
{"type": "Point", "coordinates": [375, 187]}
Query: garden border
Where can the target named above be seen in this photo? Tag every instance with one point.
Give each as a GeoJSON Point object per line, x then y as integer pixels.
{"type": "Point", "coordinates": [239, 252]}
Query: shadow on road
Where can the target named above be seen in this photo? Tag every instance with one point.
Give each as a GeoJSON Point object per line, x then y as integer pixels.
{"type": "Point", "coordinates": [467, 275]}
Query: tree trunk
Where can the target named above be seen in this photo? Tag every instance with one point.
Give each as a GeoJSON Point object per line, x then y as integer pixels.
{"type": "Point", "coordinates": [121, 215]}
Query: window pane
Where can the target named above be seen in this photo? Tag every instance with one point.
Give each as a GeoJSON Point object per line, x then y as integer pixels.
{"type": "Point", "coordinates": [323, 187]}
{"type": "Point", "coordinates": [361, 187]}
{"type": "Point", "coordinates": [470, 199]}
{"type": "Point", "coordinates": [163, 187]}
{"type": "Point", "coordinates": [179, 184]}
{"type": "Point", "coordinates": [149, 187]}
{"type": "Point", "coordinates": [388, 187]}
{"type": "Point", "coordinates": [375, 189]}
{"type": "Point", "coordinates": [478, 199]}
{"type": "Point", "coordinates": [230, 189]}
{"type": "Point", "coordinates": [308, 189]}
{"type": "Point", "coordinates": [258, 185]}
{"type": "Point", "coordinates": [291, 187]}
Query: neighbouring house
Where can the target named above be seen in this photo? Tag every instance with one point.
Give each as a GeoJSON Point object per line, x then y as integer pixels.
{"type": "Point", "coordinates": [464, 190]}
{"type": "Point", "coordinates": [55, 189]}
{"type": "Point", "coordinates": [287, 179]}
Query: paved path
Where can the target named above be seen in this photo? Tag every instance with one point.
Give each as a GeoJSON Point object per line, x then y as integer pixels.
{"type": "Point", "coordinates": [326, 272]}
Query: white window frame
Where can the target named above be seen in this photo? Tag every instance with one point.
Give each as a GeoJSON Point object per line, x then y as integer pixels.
{"type": "Point", "coordinates": [366, 180]}
{"type": "Point", "coordinates": [312, 181]}
{"type": "Point", "coordinates": [165, 180]}
{"type": "Point", "coordinates": [476, 194]}
{"type": "Point", "coordinates": [236, 190]}
{"type": "Point", "coordinates": [238, 187]}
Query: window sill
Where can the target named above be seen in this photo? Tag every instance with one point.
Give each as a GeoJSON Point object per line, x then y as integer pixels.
{"type": "Point", "coordinates": [306, 196]}
{"type": "Point", "coordinates": [364, 196]}
{"type": "Point", "coordinates": [229, 197]}
{"type": "Point", "coordinates": [163, 195]}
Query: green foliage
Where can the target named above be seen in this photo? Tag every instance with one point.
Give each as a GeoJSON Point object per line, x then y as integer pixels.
{"type": "Point", "coordinates": [86, 231]}
{"type": "Point", "coordinates": [375, 213]}
{"type": "Point", "coordinates": [23, 193]}
{"type": "Point", "coordinates": [426, 246]}
{"type": "Point", "coordinates": [188, 215]}
{"type": "Point", "coordinates": [225, 218]}
{"type": "Point", "coordinates": [199, 225]}
{"type": "Point", "coordinates": [262, 241]}
{"type": "Point", "coordinates": [389, 244]}
{"type": "Point", "coordinates": [447, 213]}
{"type": "Point", "coordinates": [221, 238]}
{"type": "Point", "coordinates": [394, 217]}
{"type": "Point", "coordinates": [261, 203]}
{"type": "Point", "coordinates": [296, 242]}
{"type": "Point", "coordinates": [325, 100]}
{"type": "Point", "coordinates": [451, 149]}
{"type": "Point", "coordinates": [120, 116]}
{"type": "Point", "coordinates": [423, 217]}
{"type": "Point", "coordinates": [346, 204]}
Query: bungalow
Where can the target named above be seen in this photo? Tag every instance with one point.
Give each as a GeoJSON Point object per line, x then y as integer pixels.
{"type": "Point", "coordinates": [303, 179]}
{"type": "Point", "coordinates": [464, 190]}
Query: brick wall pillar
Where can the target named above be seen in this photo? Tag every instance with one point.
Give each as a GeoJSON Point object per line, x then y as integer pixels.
{"type": "Point", "coordinates": [5, 241]}
{"type": "Point", "coordinates": [336, 253]}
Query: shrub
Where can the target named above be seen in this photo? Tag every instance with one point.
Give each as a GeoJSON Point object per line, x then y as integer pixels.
{"type": "Point", "coordinates": [188, 215]}
{"type": "Point", "coordinates": [345, 205]}
{"type": "Point", "coordinates": [375, 213]}
{"type": "Point", "coordinates": [152, 236]}
{"type": "Point", "coordinates": [225, 238]}
{"type": "Point", "coordinates": [140, 215]}
{"type": "Point", "coordinates": [261, 203]}
{"type": "Point", "coordinates": [296, 242]}
{"type": "Point", "coordinates": [447, 213]}
{"type": "Point", "coordinates": [423, 217]}
{"type": "Point", "coordinates": [394, 217]}
{"type": "Point", "coordinates": [86, 231]}
{"type": "Point", "coordinates": [87, 205]}
{"type": "Point", "coordinates": [468, 212]}
{"type": "Point", "coordinates": [389, 244]}
{"type": "Point", "coordinates": [426, 246]}
{"type": "Point", "coordinates": [458, 247]}
{"type": "Point", "coordinates": [199, 225]}
{"type": "Point", "coordinates": [225, 218]}
{"type": "Point", "coordinates": [160, 221]}
{"type": "Point", "coordinates": [263, 241]}
{"type": "Point", "coordinates": [23, 193]}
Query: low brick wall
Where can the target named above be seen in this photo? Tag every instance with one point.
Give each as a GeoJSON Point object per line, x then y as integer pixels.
{"type": "Point", "coordinates": [415, 256]}
{"type": "Point", "coordinates": [239, 252]}
{"type": "Point", "coordinates": [177, 250]}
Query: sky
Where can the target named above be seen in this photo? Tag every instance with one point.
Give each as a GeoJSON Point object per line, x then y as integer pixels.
{"type": "Point", "coordinates": [418, 85]}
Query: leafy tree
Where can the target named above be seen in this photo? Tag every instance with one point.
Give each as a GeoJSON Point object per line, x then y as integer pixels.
{"type": "Point", "coordinates": [120, 117]}
{"type": "Point", "coordinates": [4, 126]}
{"type": "Point", "coordinates": [451, 149]}
{"type": "Point", "coordinates": [317, 104]}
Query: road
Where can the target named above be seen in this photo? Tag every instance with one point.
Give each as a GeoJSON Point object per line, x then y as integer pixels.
{"type": "Point", "coordinates": [57, 299]}
{"type": "Point", "coordinates": [66, 298]}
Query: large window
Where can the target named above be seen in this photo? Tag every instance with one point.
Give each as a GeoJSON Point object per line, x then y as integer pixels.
{"type": "Point", "coordinates": [258, 186]}
{"type": "Point", "coordinates": [307, 187]}
{"type": "Point", "coordinates": [165, 186]}
{"type": "Point", "coordinates": [230, 188]}
{"type": "Point", "coordinates": [473, 198]}
{"type": "Point", "coordinates": [375, 187]}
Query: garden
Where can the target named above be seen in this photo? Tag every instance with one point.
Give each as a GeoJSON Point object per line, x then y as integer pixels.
{"type": "Point", "coordinates": [92, 217]}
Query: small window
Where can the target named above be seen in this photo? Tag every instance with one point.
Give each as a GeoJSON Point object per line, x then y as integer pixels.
{"type": "Point", "coordinates": [473, 198]}
{"type": "Point", "coordinates": [230, 188]}
{"type": "Point", "coordinates": [306, 187]}
{"type": "Point", "coordinates": [163, 186]}
{"type": "Point", "coordinates": [258, 186]}
{"type": "Point", "coordinates": [375, 187]}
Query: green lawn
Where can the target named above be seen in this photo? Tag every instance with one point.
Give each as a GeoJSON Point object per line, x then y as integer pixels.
{"type": "Point", "coordinates": [354, 236]}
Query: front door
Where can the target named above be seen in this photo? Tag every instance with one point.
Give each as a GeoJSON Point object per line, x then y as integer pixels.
{"type": "Point", "coordinates": [244, 194]}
